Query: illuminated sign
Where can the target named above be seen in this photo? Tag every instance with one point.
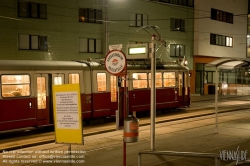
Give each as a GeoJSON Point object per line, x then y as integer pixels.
{"type": "Point", "coordinates": [137, 51]}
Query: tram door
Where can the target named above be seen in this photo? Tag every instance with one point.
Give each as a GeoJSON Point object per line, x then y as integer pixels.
{"type": "Point", "coordinates": [113, 93]}
{"type": "Point", "coordinates": [180, 87]}
{"type": "Point", "coordinates": [44, 96]}
{"type": "Point", "coordinates": [42, 112]}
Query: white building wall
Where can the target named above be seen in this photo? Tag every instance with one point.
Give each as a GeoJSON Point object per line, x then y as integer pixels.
{"type": "Point", "coordinates": [204, 25]}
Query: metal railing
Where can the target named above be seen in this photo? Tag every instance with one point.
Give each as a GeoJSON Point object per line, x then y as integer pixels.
{"type": "Point", "coordinates": [183, 154]}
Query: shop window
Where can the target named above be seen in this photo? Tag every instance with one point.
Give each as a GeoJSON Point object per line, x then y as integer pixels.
{"type": "Point", "coordinates": [15, 85]}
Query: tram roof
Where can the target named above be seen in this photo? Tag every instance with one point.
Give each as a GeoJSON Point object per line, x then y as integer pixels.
{"type": "Point", "coordinates": [39, 64]}
{"type": "Point", "coordinates": [77, 65]}
{"type": "Point", "coordinates": [229, 63]}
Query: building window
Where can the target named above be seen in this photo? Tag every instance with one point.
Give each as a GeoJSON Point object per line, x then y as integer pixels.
{"type": "Point", "coordinates": [221, 40]}
{"type": "Point", "coordinates": [177, 25]}
{"type": "Point", "coordinates": [177, 50]}
{"type": "Point", "coordinates": [90, 15]}
{"type": "Point", "coordinates": [32, 10]}
{"type": "Point", "coordinates": [137, 20]}
{"type": "Point", "coordinates": [178, 2]}
{"type": "Point", "coordinates": [221, 16]}
{"type": "Point", "coordinates": [32, 42]}
{"type": "Point", "coordinates": [90, 45]}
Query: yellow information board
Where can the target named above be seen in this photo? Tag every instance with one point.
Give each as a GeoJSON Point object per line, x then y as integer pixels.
{"type": "Point", "coordinates": [67, 114]}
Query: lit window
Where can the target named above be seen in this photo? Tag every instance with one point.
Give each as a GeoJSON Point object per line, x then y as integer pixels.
{"type": "Point", "coordinates": [169, 79]}
{"type": "Point", "coordinates": [113, 88]}
{"type": "Point", "coordinates": [158, 80]}
{"type": "Point", "coordinates": [73, 78]}
{"type": "Point", "coordinates": [221, 40]}
{"type": "Point", "coordinates": [177, 50]}
{"type": "Point", "coordinates": [15, 85]}
{"type": "Point", "coordinates": [177, 24]}
{"type": "Point", "coordinates": [57, 80]}
{"type": "Point", "coordinates": [221, 16]}
{"type": "Point", "coordinates": [90, 15]}
{"type": "Point", "coordinates": [41, 93]}
{"type": "Point", "coordinates": [101, 82]}
{"type": "Point", "coordinates": [140, 80]}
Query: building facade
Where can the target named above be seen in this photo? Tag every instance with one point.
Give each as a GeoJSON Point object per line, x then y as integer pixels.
{"type": "Point", "coordinates": [220, 30]}
{"type": "Point", "coordinates": [81, 29]}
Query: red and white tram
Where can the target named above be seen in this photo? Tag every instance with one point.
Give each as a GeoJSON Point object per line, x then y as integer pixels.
{"type": "Point", "coordinates": [26, 89]}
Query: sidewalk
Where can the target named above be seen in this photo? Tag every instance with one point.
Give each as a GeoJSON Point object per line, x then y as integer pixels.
{"type": "Point", "coordinates": [187, 135]}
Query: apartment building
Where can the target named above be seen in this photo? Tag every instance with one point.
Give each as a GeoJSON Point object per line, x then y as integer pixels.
{"type": "Point", "coordinates": [81, 29]}
{"type": "Point", "coordinates": [220, 30]}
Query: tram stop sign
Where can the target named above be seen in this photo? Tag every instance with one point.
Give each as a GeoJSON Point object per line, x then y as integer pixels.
{"type": "Point", "coordinates": [115, 62]}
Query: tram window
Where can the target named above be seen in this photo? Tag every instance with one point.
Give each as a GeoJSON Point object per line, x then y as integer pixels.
{"type": "Point", "coordinates": [139, 80]}
{"type": "Point", "coordinates": [158, 80]}
{"type": "Point", "coordinates": [113, 88]}
{"type": "Point", "coordinates": [57, 80]}
{"type": "Point", "coordinates": [73, 78]}
{"type": "Point", "coordinates": [169, 79]}
{"type": "Point", "coordinates": [41, 93]}
{"type": "Point", "coordinates": [15, 85]}
{"type": "Point", "coordinates": [101, 82]}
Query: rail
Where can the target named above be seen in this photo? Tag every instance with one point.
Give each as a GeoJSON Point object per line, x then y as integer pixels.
{"type": "Point", "coordinates": [184, 154]}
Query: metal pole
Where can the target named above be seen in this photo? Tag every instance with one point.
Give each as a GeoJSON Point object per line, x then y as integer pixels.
{"type": "Point", "coordinates": [125, 115]}
{"type": "Point", "coordinates": [106, 27]}
{"type": "Point", "coordinates": [69, 149]}
{"type": "Point", "coordinates": [216, 100]}
{"type": "Point", "coordinates": [153, 92]}
{"type": "Point", "coordinates": [139, 159]}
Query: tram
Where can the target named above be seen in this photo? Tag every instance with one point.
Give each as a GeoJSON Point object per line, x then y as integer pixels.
{"type": "Point", "coordinates": [26, 89]}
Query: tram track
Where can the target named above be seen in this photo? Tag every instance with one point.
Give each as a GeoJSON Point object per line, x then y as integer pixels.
{"type": "Point", "coordinates": [189, 113]}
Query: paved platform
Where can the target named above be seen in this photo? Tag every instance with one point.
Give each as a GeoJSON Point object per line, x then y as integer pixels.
{"type": "Point", "coordinates": [186, 135]}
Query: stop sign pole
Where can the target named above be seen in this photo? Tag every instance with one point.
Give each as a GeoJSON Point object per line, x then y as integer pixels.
{"type": "Point", "coordinates": [116, 64]}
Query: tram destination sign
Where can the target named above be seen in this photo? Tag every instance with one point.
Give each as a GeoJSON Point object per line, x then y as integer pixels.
{"type": "Point", "coordinates": [115, 62]}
